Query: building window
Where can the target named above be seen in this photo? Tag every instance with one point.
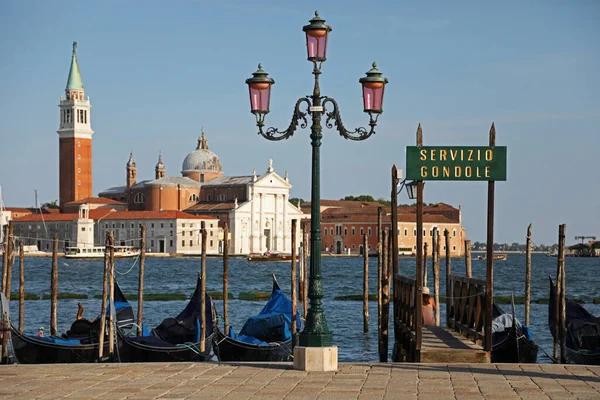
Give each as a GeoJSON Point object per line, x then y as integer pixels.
{"type": "Point", "coordinates": [211, 243]}
{"type": "Point", "coordinates": [209, 197]}
{"type": "Point", "coordinates": [152, 243]}
{"type": "Point", "coordinates": [183, 243]}
{"type": "Point", "coordinates": [424, 233]}
{"type": "Point", "coordinates": [83, 229]}
{"type": "Point", "coordinates": [162, 225]}
{"type": "Point", "coordinates": [345, 231]}
{"type": "Point", "coordinates": [191, 243]}
{"type": "Point", "coordinates": [170, 243]}
{"type": "Point", "coordinates": [352, 246]}
{"type": "Point", "coordinates": [139, 198]}
{"type": "Point", "coordinates": [454, 232]}
{"type": "Point", "coordinates": [211, 233]}
{"type": "Point", "coordinates": [132, 226]}
{"type": "Point", "coordinates": [353, 231]}
{"type": "Point", "coordinates": [171, 224]}
{"type": "Point", "coordinates": [453, 247]}
{"type": "Point", "coordinates": [183, 225]}
{"type": "Point", "coordinates": [113, 226]}
{"type": "Point", "coordinates": [122, 226]}
{"type": "Point", "coordinates": [194, 197]}
{"type": "Point", "coordinates": [431, 232]}
{"type": "Point", "coordinates": [369, 230]}
{"type": "Point", "coordinates": [362, 231]}
{"type": "Point", "coordinates": [171, 234]}
{"type": "Point", "coordinates": [415, 232]}
{"type": "Point", "coordinates": [202, 179]}
{"type": "Point", "coordinates": [152, 225]}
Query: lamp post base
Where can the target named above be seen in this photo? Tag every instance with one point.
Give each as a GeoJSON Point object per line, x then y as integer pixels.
{"type": "Point", "coordinates": [316, 358]}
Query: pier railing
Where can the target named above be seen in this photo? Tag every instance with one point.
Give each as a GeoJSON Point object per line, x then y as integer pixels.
{"type": "Point", "coordinates": [406, 326]}
{"type": "Point", "coordinates": [467, 305]}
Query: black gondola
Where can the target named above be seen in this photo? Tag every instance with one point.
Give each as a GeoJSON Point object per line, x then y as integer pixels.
{"type": "Point", "coordinates": [511, 341]}
{"type": "Point", "coordinates": [265, 337]}
{"type": "Point", "coordinates": [78, 345]}
{"type": "Point", "coordinates": [582, 333]}
{"type": "Point", "coordinates": [175, 339]}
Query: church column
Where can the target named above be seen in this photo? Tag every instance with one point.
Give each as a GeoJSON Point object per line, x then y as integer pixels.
{"type": "Point", "coordinates": [285, 226]}
{"type": "Point", "coordinates": [261, 223]}
{"type": "Point", "coordinates": [276, 244]}
{"type": "Point", "coordinates": [251, 225]}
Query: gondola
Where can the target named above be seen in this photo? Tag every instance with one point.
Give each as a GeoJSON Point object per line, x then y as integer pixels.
{"type": "Point", "coordinates": [582, 331]}
{"type": "Point", "coordinates": [78, 345]}
{"type": "Point", "coordinates": [264, 337]}
{"type": "Point", "coordinates": [511, 341]}
{"type": "Point", "coordinates": [175, 339]}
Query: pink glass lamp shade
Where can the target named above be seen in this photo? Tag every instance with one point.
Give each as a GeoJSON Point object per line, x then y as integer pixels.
{"type": "Point", "coordinates": [260, 91]}
{"type": "Point", "coordinates": [373, 87]}
{"type": "Point", "coordinates": [316, 38]}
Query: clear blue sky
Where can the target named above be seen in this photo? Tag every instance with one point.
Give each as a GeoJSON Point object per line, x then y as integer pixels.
{"type": "Point", "coordinates": [157, 72]}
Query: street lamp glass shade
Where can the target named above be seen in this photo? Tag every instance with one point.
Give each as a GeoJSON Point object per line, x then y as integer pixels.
{"type": "Point", "coordinates": [316, 39]}
{"type": "Point", "coordinates": [411, 189]}
{"type": "Point", "coordinates": [373, 87]}
{"type": "Point", "coordinates": [260, 91]}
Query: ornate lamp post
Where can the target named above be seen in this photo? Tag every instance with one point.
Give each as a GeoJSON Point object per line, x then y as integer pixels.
{"type": "Point", "coordinates": [316, 333]}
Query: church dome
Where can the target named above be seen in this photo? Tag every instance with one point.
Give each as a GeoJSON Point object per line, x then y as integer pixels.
{"type": "Point", "coordinates": [201, 159]}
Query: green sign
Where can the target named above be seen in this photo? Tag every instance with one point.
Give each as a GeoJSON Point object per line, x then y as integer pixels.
{"type": "Point", "coordinates": [457, 163]}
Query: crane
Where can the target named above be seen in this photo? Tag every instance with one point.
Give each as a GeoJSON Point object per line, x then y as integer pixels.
{"type": "Point", "coordinates": [585, 237]}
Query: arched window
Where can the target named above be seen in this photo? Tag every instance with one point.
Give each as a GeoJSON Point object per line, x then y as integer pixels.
{"type": "Point", "coordinates": [139, 198]}
{"type": "Point", "coordinates": [194, 197]}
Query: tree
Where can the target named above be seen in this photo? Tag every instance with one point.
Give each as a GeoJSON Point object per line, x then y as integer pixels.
{"type": "Point", "coordinates": [362, 197]}
{"type": "Point", "coordinates": [296, 200]}
{"type": "Point", "coordinates": [51, 204]}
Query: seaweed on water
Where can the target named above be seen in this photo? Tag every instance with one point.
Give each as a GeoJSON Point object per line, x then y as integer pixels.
{"type": "Point", "coordinates": [254, 295]}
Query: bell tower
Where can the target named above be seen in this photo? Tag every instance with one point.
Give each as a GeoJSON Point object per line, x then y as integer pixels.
{"type": "Point", "coordinates": [131, 171]}
{"type": "Point", "coordinates": [75, 139]}
{"type": "Point", "coordinates": [159, 170]}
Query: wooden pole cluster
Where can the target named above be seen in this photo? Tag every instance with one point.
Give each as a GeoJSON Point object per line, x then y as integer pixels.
{"type": "Point", "coordinates": [140, 314]}
{"type": "Point", "coordinates": [54, 287]}
{"type": "Point", "coordinates": [21, 287]}
{"type": "Point", "coordinates": [448, 273]}
{"type": "Point", "coordinates": [226, 279]}
{"type": "Point", "coordinates": [468, 264]}
{"type": "Point", "coordinates": [394, 229]}
{"type": "Point", "coordinates": [528, 275]}
{"type": "Point", "coordinates": [561, 299]}
{"type": "Point", "coordinates": [111, 298]}
{"type": "Point", "coordinates": [293, 282]}
{"type": "Point", "coordinates": [8, 260]}
{"type": "Point", "coordinates": [379, 277]}
{"type": "Point", "coordinates": [385, 301]}
{"type": "Point", "coordinates": [435, 258]}
{"type": "Point", "coordinates": [203, 291]}
{"type": "Point", "coordinates": [104, 296]}
{"type": "Point", "coordinates": [6, 267]}
{"type": "Point", "coordinates": [365, 285]}
{"type": "Point", "coordinates": [490, 256]}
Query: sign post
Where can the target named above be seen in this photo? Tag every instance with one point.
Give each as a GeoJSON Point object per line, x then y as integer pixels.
{"type": "Point", "coordinates": [459, 163]}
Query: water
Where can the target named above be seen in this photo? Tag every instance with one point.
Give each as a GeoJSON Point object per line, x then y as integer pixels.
{"type": "Point", "coordinates": [341, 276]}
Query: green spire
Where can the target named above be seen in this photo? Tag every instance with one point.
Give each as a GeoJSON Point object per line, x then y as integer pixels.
{"type": "Point", "coordinates": [74, 82]}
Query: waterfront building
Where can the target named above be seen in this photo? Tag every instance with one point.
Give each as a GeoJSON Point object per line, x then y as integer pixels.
{"type": "Point", "coordinates": [344, 224]}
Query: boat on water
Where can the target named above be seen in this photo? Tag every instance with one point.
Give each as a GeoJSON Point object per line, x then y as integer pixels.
{"type": "Point", "coordinates": [582, 331]}
{"type": "Point", "coordinates": [264, 337]}
{"type": "Point", "coordinates": [497, 257]}
{"type": "Point", "coordinates": [511, 341]}
{"type": "Point", "coordinates": [175, 339]}
{"type": "Point", "coordinates": [98, 252]}
{"type": "Point", "coordinates": [270, 256]}
{"type": "Point", "coordinates": [78, 345]}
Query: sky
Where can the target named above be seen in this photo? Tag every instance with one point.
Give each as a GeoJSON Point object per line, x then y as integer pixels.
{"type": "Point", "coordinates": [157, 72]}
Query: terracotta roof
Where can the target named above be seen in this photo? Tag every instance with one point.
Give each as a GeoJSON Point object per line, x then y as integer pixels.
{"type": "Point", "coordinates": [386, 219]}
{"type": "Point", "coordinates": [94, 200]}
{"type": "Point", "coordinates": [18, 209]}
{"type": "Point", "coordinates": [210, 206]}
{"type": "Point", "coordinates": [107, 215]}
{"type": "Point", "coordinates": [343, 203]}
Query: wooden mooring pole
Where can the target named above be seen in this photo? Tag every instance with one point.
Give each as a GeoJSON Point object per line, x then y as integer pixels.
{"type": "Point", "coordinates": [111, 298]}
{"type": "Point", "coordinates": [104, 295]}
{"type": "Point", "coordinates": [4, 258]}
{"type": "Point", "coordinates": [489, 276]}
{"type": "Point", "coordinates": [11, 260]}
{"type": "Point", "coordinates": [21, 287]}
{"type": "Point", "coordinates": [365, 284]}
{"type": "Point", "coordinates": [226, 279]}
{"type": "Point", "coordinates": [425, 272]}
{"type": "Point", "coordinates": [203, 290]}
{"type": "Point", "coordinates": [448, 273]}
{"type": "Point", "coordinates": [435, 258]}
{"type": "Point", "coordinates": [140, 314]}
{"type": "Point", "coordinates": [468, 263]}
{"type": "Point", "coordinates": [54, 287]}
{"type": "Point", "coordinates": [527, 275]}
{"type": "Point", "coordinates": [385, 300]}
{"type": "Point", "coordinates": [563, 295]}
{"type": "Point", "coordinates": [379, 276]}
{"type": "Point", "coordinates": [293, 283]}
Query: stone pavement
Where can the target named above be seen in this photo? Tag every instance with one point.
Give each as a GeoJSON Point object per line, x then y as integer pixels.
{"type": "Point", "coordinates": [279, 381]}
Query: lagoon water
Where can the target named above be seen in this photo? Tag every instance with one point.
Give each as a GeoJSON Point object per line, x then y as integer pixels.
{"type": "Point", "coordinates": [341, 276]}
